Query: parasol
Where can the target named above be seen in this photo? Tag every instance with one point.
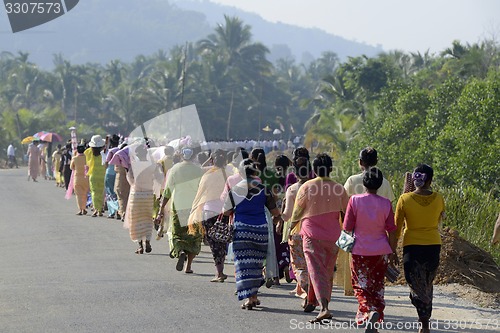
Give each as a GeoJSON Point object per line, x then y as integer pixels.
{"type": "Point", "coordinates": [27, 139]}
{"type": "Point", "coordinates": [39, 134]}
{"type": "Point", "coordinates": [51, 137]}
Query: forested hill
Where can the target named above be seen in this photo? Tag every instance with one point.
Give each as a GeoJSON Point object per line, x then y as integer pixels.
{"type": "Point", "coordinates": [99, 31]}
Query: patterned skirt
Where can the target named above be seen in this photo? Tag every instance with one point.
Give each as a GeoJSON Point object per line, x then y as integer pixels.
{"type": "Point", "coordinates": [139, 215]}
{"type": "Point", "coordinates": [218, 248]}
{"type": "Point", "coordinates": [368, 273]}
{"type": "Point", "coordinates": [298, 260]}
{"type": "Point", "coordinates": [250, 249]}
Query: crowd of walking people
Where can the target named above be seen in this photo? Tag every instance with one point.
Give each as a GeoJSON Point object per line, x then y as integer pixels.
{"type": "Point", "coordinates": [284, 217]}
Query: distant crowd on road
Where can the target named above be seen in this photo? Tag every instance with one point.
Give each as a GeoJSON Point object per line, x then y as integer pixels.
{"type": "Point", "coordinates": [278, 220]}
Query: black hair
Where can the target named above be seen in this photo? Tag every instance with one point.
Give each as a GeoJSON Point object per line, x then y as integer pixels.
{"type": "Point", "coordinates": [427, 169]}
{"type": "Point", "coordinates": [68, 145]}
{"type": "Point", "coordinates": [282, 161]}
{"type": "Point", "coordinates": [202, 157]}
{"type": "Point", "coordinates": [259, 156]}
{"type": "Point", "coordinates": [80, 149]}
{"type": "Point", "coordinates": [368, 157]}
{"type": "Point", "coordinates": [301, 152]}
{"type": "Point", "coordinates": [281, 164]}
{"type": "Point", "coordinates": [114, 140]}
{"type": "Point", "coordinates": [372, 178]}
{"type": "Point", "coordinates": [96, 151]}
{"type": "Point", "coordinates": [302, 167]}
{"type": "Point", "coordinates": [322, 165]}
{"type": "Point", "coordinates": [248, 168]}
{"type": "Point", "coordinates": [219, 158]}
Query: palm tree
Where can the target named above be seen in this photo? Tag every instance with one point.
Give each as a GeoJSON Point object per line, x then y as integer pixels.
{"type": "Point", "coordinates": [242, 62]}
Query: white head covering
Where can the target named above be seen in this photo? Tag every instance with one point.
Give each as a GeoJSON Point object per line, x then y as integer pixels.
{"type": "Point", "coordinates": [96, 141]}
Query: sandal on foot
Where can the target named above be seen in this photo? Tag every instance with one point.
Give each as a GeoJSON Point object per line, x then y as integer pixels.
{"type": "Point", "coordinates": [79, 213]}
{"type": "Point", "coordinates": [217, 279]}
{"type": "Point", "coordinates": [321, 320]}
{"type": "Point", "coordinates": [148, 247]}
{"type": "Point", "coordinates": [140, 250]}
{"type": "Point", "coordinates": [84, 212]}
{"type": "Point", "coordinates": [269, 283]}
{"type": "Point", "coordinates": [247, 305]}
{"type": "Point", "coordinates": [188, 271]}
{"type": "Point", "coordinates": [94, 214]}
{"type": "Point", "coordinates": [180, 262]}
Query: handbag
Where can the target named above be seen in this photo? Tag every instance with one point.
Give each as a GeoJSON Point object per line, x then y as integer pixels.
{"type": "Point", "coordinates": [392, 273]}
{"type": "Point", "coordinates": [345, 241]}
{"type": "Point", "coordinates": [222, 230]}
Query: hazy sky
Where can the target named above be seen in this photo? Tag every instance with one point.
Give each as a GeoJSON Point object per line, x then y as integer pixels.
{"type": "Point", "coordinates": [394, 24]}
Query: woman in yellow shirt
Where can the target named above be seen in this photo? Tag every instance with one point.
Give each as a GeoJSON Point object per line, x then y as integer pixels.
{"type": "Point", "coordinates": [420, 213]}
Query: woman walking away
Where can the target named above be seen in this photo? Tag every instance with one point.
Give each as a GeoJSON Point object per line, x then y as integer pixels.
{"type": "Point", "coordinates": [251, 234]}
{"type": "Point", "coordinates": [64, 167]}
{"type": "Point", "coordinates": [269, 179]}
{"type": "Point", "coordinates": [207, 206]}
{"type": "Point", "coordinates": [291, 230]}
{"type": "Point", "coordinates": [81, 182]}
{"type": "Point", "coordinates": [319, 206]}
{"type": "Point", "coordinates": [56, 163]}
{"type": "Point", "coordinates": [371, 218]}
{"type": "Point", "coordinates": [33, 160]}
{"type": "Point", "coordinates": [138, 218]}
{"type": "Point", "coordinates": [182, 186]}
{"type": "Point", "coordinates": [110, 176]}
{"type": "Point", "coordinates": [121, 161]}
{"type": "Point", "coordinates": [420, 213]}
{"type": "Point", "coordinates": [95, 162]}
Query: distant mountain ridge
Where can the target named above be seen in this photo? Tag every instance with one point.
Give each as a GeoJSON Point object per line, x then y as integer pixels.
{"type": "Point", "coordinates": [99, 31]}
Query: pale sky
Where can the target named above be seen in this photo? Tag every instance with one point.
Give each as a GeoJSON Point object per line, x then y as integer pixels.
{"type": "Point", "coordinates": [395, 24]}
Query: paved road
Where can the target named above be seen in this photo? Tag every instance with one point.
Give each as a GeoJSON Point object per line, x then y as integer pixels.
{"type": "Point", "coordinates": [65, 273]}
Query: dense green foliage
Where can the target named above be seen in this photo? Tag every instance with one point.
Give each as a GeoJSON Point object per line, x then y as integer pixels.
{"type": "Point", "coordinates": [443, 109]}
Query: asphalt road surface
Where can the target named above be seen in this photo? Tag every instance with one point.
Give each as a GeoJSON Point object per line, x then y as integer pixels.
{"type": "Point", "coordinates": [65, 273]}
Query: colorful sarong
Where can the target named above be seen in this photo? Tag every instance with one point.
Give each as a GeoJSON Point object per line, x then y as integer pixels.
{"type": "Point", "coordinates": [298, 260]}
{"type": "Point", "coordinates": [138, 217]}
{"type": "Point", "coordinates": [218, 248]}
{"type": "Point", "coordinates": [182, 240]}
{"type": "Point", "coordinates": [250, 249]}
{"type": "Point", "coordinates": [321, 256]}
{"type": "Point", "coordinates": [368, 273]}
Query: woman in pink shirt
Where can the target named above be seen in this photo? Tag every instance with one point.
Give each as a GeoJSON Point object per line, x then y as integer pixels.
{"type": "Point", "coordinates": [371, 218]}
{"type": "Point", "coordinates": [319, 205]}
